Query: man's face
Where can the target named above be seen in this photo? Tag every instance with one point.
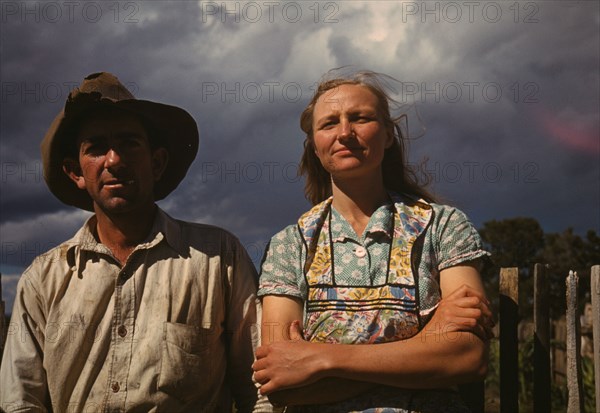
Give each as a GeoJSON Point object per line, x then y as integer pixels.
{"type": "Point", "coordinates": [117, 167]}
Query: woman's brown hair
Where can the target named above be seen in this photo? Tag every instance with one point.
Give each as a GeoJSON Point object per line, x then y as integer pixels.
{"type": "Point", "coordinates": [398, 175]}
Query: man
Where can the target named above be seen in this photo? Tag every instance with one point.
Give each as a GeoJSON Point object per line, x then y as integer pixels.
{"type": "Point", "coordinates": [138, 311]}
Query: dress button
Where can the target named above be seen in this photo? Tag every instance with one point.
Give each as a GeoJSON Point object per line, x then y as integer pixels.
{"type": "Point", "coordinates": [115, 387]}
{"type": "Point", "coordinates": [360, 252]}
{"type": "Point", "coordinates": [122, 331]}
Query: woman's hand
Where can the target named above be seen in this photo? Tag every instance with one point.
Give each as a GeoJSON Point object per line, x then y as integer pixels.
{"type": "Point", "coordinates": [465, 309]}
{"type": "Point", "coordinates": [283, 345]}
{"type": "Point", "coordinates": [286, 364]}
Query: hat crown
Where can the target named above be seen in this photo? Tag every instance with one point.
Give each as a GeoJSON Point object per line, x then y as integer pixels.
{"type": "Point", "coordinates": [102, 85]}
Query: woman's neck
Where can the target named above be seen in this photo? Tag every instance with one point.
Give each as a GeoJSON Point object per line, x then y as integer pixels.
{"type": "Point", "coordinates": [357, 199]}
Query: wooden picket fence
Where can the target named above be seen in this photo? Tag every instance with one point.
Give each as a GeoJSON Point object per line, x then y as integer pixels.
{"type": "Point", "coordinates": [474, 393]}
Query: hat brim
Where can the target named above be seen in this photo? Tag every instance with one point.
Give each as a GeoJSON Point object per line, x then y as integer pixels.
{"type": "Point", "coordinates": [176, 129]}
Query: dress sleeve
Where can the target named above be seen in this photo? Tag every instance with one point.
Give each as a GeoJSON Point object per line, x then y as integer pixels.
{"type": "Point", "coordinates": [281, 270]}
{"type": "Point", "coordinates": [457, 240]}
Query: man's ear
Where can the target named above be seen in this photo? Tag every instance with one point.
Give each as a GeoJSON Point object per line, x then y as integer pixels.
{"type": "Point", "coordinates": [73, 170]}
{"type": "Point", "coordinates": [160, 159]}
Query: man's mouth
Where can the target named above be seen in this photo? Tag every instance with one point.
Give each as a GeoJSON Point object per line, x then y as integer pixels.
{"type": "Point", "coordinates": [118, 183]}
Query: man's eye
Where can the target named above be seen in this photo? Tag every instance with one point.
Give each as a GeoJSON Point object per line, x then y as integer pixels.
{"type": "Point", "coordinates": [94, 148]}
{"type": "Point", "coordinates": [131, 143]}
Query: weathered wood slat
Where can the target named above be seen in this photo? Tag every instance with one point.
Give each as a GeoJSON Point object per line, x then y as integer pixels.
{"type": "Point", "coordinates": [574, 382]}
{"type": "Point", "coordinates": [595, 293]}
{"type": "Point", "coordinates": [509, 355]}
{"type": "Point", "coordinates": [473, 395]}
{"type": "Point", "coordinates": [2, 322]}
{"type": "Point", "coordinates": [541, 346]}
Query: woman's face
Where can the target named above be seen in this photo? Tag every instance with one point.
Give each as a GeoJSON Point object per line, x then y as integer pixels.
{"type": "Point", "coordinates": [349, 133]}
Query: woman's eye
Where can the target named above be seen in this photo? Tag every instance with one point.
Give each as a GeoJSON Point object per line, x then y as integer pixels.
{"type": "Point", "coordinates": [364, 118]}
{"type": "Point", "coordinates": [328, 125]}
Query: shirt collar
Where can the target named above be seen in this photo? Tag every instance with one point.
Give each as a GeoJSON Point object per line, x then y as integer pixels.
{"type": "Point", "coordinates": [163, 227]}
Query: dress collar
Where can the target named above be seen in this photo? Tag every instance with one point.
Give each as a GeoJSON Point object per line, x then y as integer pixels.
{"type": "Point", "coordinates": [409, 208]}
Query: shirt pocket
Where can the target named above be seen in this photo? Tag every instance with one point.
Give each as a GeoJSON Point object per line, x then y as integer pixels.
{"type": "Point", "coordinates": [186, 364]}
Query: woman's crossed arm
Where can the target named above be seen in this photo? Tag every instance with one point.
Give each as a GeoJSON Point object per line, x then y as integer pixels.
{"type": "Point", "coordinates": [450, 349]}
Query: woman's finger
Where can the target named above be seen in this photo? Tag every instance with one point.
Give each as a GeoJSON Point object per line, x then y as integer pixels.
{"type": "Point", "coordinates": [466, 291]}
{"type": "Point", "coordinates": [474, 302]}
{"type": "Point", "coordinates": [261, 377]}
{"type": "Point", "coordinates": [259, 364]}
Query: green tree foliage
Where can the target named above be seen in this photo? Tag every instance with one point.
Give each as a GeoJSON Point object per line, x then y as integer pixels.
{"type": "Point", "coordinates": [514, 242]}
{"type": "Point", "coordinates": [521, 242]}
{"type": "Point", "coordinates": [568, 251]}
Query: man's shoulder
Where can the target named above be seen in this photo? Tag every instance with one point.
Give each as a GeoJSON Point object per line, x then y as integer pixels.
{"type": "Point", "coordinates": [203, 237]}
{"type": "Point", "coordinates": [47, 263]}
{"type": "Point", "coordinates": [200, 229]}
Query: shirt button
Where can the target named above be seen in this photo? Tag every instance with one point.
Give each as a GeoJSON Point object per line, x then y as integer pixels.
{"type": "Point", "coordinates": [122, 331]}
{"type": "Point", "coordinates": [115, 387]}
{"type": "Point", "coordinates": [360, 252]}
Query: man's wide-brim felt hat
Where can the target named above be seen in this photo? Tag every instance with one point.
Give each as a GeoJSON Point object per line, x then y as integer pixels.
{"type": "Point", "coordinates": [175, 128]}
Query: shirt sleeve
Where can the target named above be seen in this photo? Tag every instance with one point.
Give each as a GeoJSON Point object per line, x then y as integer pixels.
{"type": "Point", "coordinates": [24, 386]}
{"type": "Point", "coordinates": [457, 240]}
{"type": "Point", "coordinates": [243, 314]}
{"type": "Point", "coordinates": [281, 270]}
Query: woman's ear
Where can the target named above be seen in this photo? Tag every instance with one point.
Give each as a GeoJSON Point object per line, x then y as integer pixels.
{"type": "Point", "coordinates": [160, 159]}
{"type": "Point", "coordinates": [72, 168]}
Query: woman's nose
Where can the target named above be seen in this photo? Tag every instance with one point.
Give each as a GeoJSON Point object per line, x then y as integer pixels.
{"type": "Point", "coordinates": [345, 130]}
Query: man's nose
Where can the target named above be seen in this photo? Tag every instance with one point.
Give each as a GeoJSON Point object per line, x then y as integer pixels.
{"type": "Point", "coordinates": [113, 158]}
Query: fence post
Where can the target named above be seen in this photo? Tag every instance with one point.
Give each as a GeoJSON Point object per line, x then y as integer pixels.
{"type": "Point", "coordinates": [509, 355]}
{"type": "Point", "coordinates": [541, 344]}
{"type": "Point", "coordinates": [595, 293]}
{"type": "Point", "coordinates": [2, 322]}
{"type": "Point", "coordinates": [575, 403]}
{"type": "Point", "coordinates": [473, 394]}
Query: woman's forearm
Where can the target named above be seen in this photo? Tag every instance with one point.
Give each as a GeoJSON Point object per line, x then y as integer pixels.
{"type": "Point", "coordinates": [435, 357]}
{"type": "Point", "coordinates": [432, 358]}
{"type": "Point", "coordinates": [450, 349]}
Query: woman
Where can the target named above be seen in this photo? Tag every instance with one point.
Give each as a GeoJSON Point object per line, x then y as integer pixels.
{"type": "Point", "coordinates": [373, 262]}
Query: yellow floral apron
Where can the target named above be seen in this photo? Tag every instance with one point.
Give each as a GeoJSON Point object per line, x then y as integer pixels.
{"type": "Point", "coordinates": [368, 314]}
